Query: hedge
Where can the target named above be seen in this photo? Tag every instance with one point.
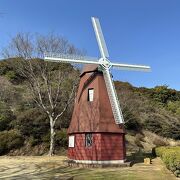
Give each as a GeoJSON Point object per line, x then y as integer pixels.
{"type": "Point", "coordinates": [171, 157]}
{"type": "Point", "coordinates": [10, 140]}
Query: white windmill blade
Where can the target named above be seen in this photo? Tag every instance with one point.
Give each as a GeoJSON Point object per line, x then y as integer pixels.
{"type": "Point", "coordinates": [100, 37]}
{"type": "Point", "coordinates": [66, 58]}
{"type": "Point", "coordinates": [116, 109]}
{"type": "Point", "coordinates": [131, 67]}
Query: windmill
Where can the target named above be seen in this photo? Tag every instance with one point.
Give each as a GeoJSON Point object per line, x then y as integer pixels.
{"type": "Point", "coordinates": [96, 133]}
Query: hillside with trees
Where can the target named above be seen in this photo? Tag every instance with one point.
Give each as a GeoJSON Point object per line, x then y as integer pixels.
{"type": "Point", "coordinates": [25, 127]}
{"type": "Point", "coordinates": [37, 97]}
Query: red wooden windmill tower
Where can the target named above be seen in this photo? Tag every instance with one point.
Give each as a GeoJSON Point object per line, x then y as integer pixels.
{"type": "Point", "coordinates": [96, 133]}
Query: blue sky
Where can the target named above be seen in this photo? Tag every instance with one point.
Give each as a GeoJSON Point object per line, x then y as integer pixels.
{"type": "Point", "coordinates": [136, 31]}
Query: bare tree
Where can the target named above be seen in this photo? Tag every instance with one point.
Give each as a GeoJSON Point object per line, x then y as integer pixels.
{"type": "Point", "coordinates": [52, 85]}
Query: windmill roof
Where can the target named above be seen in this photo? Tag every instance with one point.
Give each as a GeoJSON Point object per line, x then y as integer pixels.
{"type": "Point", "coordinates": [89, 68]}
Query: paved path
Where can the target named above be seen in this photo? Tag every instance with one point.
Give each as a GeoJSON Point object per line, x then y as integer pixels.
{"type": "Point", "coordinates": [24, 168]}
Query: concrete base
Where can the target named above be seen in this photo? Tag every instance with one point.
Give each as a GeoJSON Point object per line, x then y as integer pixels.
{"type": "Point", "coordinates": [95, 164]}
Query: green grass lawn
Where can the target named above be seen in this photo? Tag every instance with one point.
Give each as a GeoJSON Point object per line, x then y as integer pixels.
{"type": "Point", "coordinates": [53, 168]}
{"type": "Point", "coordinates": [139, 171]}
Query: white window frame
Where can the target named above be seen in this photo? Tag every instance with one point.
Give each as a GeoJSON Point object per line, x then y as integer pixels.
{"type": "Point", "coordinates": [71, 141]}
{"type": "Point", "coordinates": [91, 95]}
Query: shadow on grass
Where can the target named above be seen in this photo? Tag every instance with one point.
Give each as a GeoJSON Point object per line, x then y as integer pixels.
{"type": "Point", "coordinates": [139, 156]}
{"type": "Point", "coordinates": [52, 173]}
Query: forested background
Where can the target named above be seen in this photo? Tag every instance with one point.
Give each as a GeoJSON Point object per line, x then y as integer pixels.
{"type": "Point", "coordinates": [25, 130]}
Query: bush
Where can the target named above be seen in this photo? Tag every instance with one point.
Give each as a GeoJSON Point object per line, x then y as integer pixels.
{"type": "Point", "coordinates": [32, 123]}
{"type": "Point", "coordinates": [6, 116]}
{"type": "Point", "coordinates": [156, 123]}
{"type": "Point", "coordinates": [61, 139]}
{"type": "Point", "coordinates": [9, 68]}
{"type": "Point", "coordinates": [171, 157]}
{"type": "Point", "coordinates": [33, 141]}
{"type": "Point", "coordinates": [10, 140]}
{"type": "Point", "coordinates": [163, 94]}
{"type": "Point", "coordinates": [11, 75]}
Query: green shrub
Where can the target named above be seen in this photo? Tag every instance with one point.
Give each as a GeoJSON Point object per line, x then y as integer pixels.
{"type": "Point", "coordinates": [163, 94]}
{"type": "Point", "coordinates": [171, 157]}
{"type": "Point", "coordinates": [6, 116]}
{"type": "Point", "coordinates": [46, 138]}
{"type": "Point", "coordinates": [9, 68]}
{"type": "Point", "coordinates": [10, 140]}
{"type": "Point", "coordinates": [11, 75]}
{"type": "Point", "coordinates": [32, 123]}
{"type": "Point", "coordinates": [155, 123]}
{"type": "Point", "coordinates": [61, 139]}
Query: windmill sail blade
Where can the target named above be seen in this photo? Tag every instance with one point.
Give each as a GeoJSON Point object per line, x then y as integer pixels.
{"type": "Point", "coordinates": [131, 67]}
{"type": "Point", "coordinates": [66, 58]}
{"type": "Point", "coordinates": [100, 37]}
{"type": "Point", "coordinates": [113, 98]}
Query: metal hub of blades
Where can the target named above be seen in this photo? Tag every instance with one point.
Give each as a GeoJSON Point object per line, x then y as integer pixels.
{"type": "Point", "coordinates": [105, 63]}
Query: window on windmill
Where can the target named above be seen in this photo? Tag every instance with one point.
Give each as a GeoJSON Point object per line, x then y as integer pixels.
{"type": "Point", "coordinates": [90, 94]}
{"type": "Point", "coordinates": [71, 141]}
{"type": "Point", "coordinates": [88, 140]}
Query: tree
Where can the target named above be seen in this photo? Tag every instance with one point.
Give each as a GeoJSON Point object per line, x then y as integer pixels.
{"type": "Point", "coordinates": [128, 103]}
{"type": "Point", "coordinates": [163, 94]}
{"type": "Point", "coordinates": [52, 85]}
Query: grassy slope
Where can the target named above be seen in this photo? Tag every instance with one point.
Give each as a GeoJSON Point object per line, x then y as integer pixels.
{"type": "Point", "coordinates": [147, 142]}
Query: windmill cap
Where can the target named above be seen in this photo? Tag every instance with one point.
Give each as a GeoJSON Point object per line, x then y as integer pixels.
{"type": "Point", "coordinates": [89, 68]}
